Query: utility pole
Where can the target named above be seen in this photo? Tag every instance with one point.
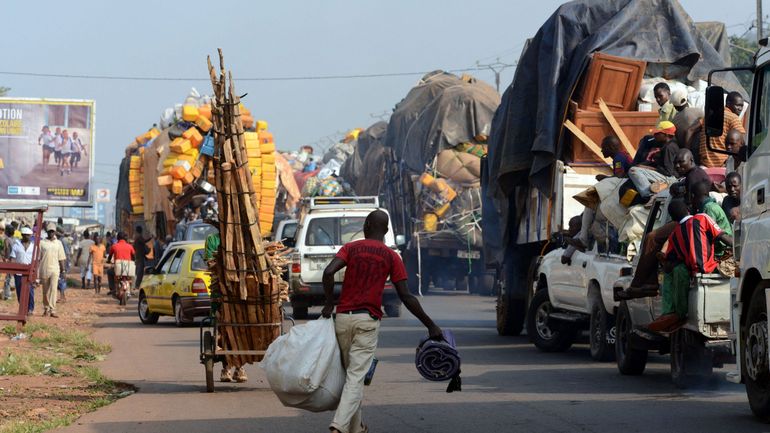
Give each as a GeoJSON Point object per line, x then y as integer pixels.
{"type": "Point", "coordinates": [759, 20]}
{"type": "Point", "coordinates": [497, 67]}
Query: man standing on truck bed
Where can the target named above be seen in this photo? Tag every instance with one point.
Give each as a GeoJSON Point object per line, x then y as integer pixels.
{"type": "Point", "coordinates": [690, 252]}
{"type": "Point", "coordinates": [369, 262]}
{"type": "Point", "coordinates": [654, 161]}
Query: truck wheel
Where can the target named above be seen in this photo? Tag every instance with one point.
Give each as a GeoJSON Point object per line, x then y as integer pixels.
{"type": "Point", "coordinates": [691, 363]}
{"type": "Point", "coordinates": [511, 311]}
{"type": "Point", "coordinates": [630, 361]}
{"type": "Point", "coordinates": [602, 331]}
{"type": "Point", "coordinates": [393, 310]}
{"type": "Point", "coordinates": [754, 355]}
{"type": "Point", "coordinates": [542, 331]}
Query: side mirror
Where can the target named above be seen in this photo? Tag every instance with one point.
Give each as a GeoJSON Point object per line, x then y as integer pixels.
{"type": "Point", "coordinates": [714, 118]}
{"type": "Point", "coordinates": [400, 240]}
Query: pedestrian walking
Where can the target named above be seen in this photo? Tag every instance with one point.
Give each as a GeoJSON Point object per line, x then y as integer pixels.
{"type": "Point", "coordinates": [8, 242]}
{"type": "Point", "coordinates": [96, 255]}
{"type": "Point", "coordinates": [52, 264]}
{"type": "Point", "coordinates": [21, 253]}
{"type": "Point", "coordinates": [369, 263]}
{"type": "Point", "coordinates": [81, 260]}
{"type": "Point", "coordinates": [66, 242]}
{"type": "Point", "coordinates": [140, 250]}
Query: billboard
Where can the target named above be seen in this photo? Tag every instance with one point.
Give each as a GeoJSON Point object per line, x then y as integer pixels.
{"type": "Point", "coordinates": [46, 151]}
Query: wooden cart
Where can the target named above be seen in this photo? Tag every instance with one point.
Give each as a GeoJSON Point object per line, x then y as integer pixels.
{"type": "Point", "coordinates": [210, 354]}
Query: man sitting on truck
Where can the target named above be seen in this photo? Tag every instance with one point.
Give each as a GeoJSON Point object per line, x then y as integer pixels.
{"type": "Point", "coordinates": [621, 160]}
{"type": "Point", "coordinates": [688, 171]}
{"type": "Point", "coordinates": [690, 252]}
{"type": "Point", "coordinates": [654, 161]}
{"type": "Point", "coordinates": [702, 202]}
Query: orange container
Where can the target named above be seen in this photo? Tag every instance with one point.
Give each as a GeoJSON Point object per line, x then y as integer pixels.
{"type": "Point", "coordinates": [205, 111]}
{"type": "Point", "coordinates": [189, 113]}
{"type": "Point", "coordinates": [165, 180]}
{"type": "Point", "coordinates": [178, 172]}
{"type": "Point", "coordinates": [265, 137]}
{"type": "Point", "coordinates": [193, 136]}
{"type": "Point", "coordinates": [203, 123]}
{"type": "Point", "coordinates": [176, 187]}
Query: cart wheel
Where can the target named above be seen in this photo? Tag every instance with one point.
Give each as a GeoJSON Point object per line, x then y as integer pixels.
{"type": "Point", "coordinates": [208, 354]}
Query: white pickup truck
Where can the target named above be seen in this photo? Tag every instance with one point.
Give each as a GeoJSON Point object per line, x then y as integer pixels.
{"type": "Point", "coordinates": [325, 225]}
{"type": "Point", "coordinates": [568, 298]}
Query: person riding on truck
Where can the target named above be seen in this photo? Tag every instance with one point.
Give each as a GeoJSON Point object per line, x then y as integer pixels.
{"type": "Point", "coordinates": [701, 202]}
{"type": "Point", "coordinates": [690, 252]}
{"type": "Point", "coordinates": [654, 161]}
{"type": "Point", "coordinates": [662, 96]}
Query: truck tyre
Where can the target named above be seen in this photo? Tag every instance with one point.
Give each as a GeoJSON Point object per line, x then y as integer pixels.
{"type": "Point", "coordinates": [630, 361]}
{"type": "Point", "coordinates": [753, 347]}
{"type": "Point", "coordinates": [412, 282]}
{"type": "Point", "coordinates": [393, 310]}
{"type": "Point", "coordinates": [512, 311]}
{"type": "Point", "coordinates": [691, 362]}
{"type": "Point", "coordinates": [543, 332]}
{"type": "Point", "coordinates": [601, 331]}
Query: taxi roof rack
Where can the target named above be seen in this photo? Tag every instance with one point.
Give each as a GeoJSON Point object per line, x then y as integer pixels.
{"type": "Point", "coordinates": [368, 202]}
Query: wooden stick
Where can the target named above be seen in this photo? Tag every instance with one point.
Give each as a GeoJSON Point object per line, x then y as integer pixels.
{"type": "Point", "coordinates": [616, 127]}
{"type": "Point", "coordinates": [585, 139]}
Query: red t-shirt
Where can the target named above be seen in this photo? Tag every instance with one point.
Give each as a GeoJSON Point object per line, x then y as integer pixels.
{"type": "Point", "coordinates": [122, 251]}
{"type": "Point", "coordinates": [692, 242]}
{"type": "Point", "coordinates": [368, 265]}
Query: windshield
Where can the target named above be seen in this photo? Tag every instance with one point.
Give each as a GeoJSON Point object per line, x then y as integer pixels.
{"type": "Point", "coordinates": [289, 230]}
{"type": "Point", "coordinates": [334, 231]}
{"type": "Point", "coordinates": [198, 263]}
{"type": "Point", "coordinates": [200, 232]}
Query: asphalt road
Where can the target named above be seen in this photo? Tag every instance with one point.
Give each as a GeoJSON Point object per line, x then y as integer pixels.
{"type": "Point", "coordinates": [508, 385]}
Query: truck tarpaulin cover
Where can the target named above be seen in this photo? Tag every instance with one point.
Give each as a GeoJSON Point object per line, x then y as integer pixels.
{"type": "Point", "coordinates": [526, 129]}
{"type": "Point", "coordinates": [442, 111]}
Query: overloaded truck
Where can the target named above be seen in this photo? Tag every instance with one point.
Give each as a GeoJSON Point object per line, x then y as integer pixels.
{"type": "Point", "coordinates": [433, 147]}
{"type": "Point", "coordinates": [585, 75]}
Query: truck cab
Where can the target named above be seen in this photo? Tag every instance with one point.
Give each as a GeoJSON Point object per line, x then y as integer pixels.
{"type": "Point", "coordinates": [750, 289]}
{"type": "Point", "coordinates": [325, 225]}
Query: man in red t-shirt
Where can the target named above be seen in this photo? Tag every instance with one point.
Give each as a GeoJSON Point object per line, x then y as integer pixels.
{"type": "Point", "coordinates": [369, 263]}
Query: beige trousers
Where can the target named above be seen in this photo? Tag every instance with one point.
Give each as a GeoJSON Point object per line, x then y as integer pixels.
{"type": "Point", "coordinates": [50, 285]}
{"type": "Point", "coordinates": [357, 336]}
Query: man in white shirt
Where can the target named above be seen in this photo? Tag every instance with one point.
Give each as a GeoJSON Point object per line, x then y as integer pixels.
{"type": "Point", "coordinates": [21, 253]}
{"type": "Point", "coordinates": [52, 263]}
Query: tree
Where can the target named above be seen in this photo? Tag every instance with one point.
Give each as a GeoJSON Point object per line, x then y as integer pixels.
{"type": "Point", "coordinates": [4, 90]}
{"type": "Point", "coordinates": [742, 52]}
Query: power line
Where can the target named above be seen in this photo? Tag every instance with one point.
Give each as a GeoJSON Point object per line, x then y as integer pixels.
{"type": "Point", "coordinates": [288, 78]}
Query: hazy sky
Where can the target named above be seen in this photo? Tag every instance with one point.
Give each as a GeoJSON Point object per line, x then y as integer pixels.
{"type": "Point", "coordinates": [267, 39]}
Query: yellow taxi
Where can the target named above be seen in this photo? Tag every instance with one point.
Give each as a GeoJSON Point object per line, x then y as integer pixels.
{"type": "Point", "coordinates": [178, 286]}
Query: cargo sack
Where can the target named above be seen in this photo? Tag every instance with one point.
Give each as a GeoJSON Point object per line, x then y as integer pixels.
{"type": "Point", "coordinates": [304, 367]}
{"type": "Point", "coordinates": [461, 167]}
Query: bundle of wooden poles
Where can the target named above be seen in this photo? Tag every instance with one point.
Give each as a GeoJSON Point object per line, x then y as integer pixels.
{"type": "Point", "coordinates": [246, 273]}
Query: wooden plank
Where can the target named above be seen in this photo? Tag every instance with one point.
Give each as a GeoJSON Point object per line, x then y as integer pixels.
{"type": "Point", "coordinates": [586, 140]}
{"type": "Point", "coordinates": [616, 127]}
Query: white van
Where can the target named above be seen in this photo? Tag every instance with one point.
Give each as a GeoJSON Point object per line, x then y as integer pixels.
{"type": "Point", "coordinates": [326, 224]}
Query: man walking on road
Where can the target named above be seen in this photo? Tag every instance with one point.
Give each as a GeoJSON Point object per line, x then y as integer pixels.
{"type": "Point", "coordinates": [84, 248]}
{"type": "Point", "coordinates": [369, 263]}
{"type": "Point", "coordinates": [52, 262]}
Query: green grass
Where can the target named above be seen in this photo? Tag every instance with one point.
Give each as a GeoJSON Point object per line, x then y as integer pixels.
{"type": "Point", "coordinates": [60, 352]}
{"type": "Point", "coordinates": [22, 426]}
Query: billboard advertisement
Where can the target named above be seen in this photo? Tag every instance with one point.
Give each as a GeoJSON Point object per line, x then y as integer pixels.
{"type": "Point", "coordinates": [46, 151]}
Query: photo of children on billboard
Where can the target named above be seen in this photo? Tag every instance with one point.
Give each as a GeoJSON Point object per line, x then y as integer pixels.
{"type": "Point", "coordinates": [46, 151]}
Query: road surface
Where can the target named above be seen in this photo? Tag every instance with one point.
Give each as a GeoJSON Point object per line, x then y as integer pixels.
{"type": "Point", "coordinates": [508, 385]}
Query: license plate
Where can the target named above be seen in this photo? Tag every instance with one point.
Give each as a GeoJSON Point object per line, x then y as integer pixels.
{"type": "Point", "coordinates": [318, 265]}
{"type": "Point", "coordinates": [463, 254]}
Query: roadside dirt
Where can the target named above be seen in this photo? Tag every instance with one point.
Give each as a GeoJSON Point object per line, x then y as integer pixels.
{"type": "Point", "coordinates": [50, 377]}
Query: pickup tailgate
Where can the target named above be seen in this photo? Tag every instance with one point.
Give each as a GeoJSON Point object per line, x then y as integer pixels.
{"type": "Point", "coordinates": [314, 261]}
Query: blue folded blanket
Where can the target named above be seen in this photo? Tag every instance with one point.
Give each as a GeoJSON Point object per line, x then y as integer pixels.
{"type": "Point", "coordinates": [439, 361]}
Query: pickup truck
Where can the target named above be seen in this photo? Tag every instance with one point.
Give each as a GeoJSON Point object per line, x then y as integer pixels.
{"type": "Point", "coordinates": [568, 298]}
{"type": "Point", "coordinates": [701, 344]}
{"type": "Point", "coordinates": [327, 223]}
